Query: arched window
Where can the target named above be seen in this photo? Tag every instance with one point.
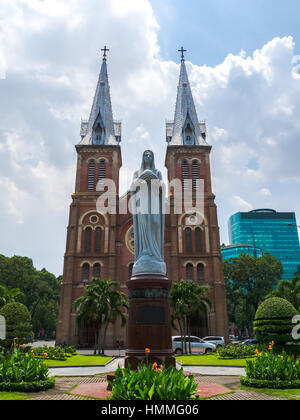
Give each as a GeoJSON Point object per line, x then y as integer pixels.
{"type": "Point", "coordinates": [200, 274]}
{"type": "Point", "coordinates": [195, 173]}
{"type": "Point", "coordinates": [130, 267]}
{"type": "Point", "coordinates": [188, 241]}
{"type": "Point", "coordinates": [101, 174]}
{"type": "Point", "coordinates": [185, 173]}
{"type": "Point", "coordinates": [190, 272]}
{"type": "Point", "coordinates": [97, 271]}
{"type": "Point", "coordinates": [98, 134]}
{"type": "Point", "coordinates": [85, 273]}
{"type": "Point", "coordinates": [198, 239]}
{"type": "Point", "coordinates": [98, 236]}
{"type": "Point", "coordinates": [87, 239]}
{"type": "Point", "coordinates": [91, 175]}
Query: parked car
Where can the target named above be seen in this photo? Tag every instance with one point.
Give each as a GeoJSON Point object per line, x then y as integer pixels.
{"type": "Point", "coordinates": [198, 346]}
{"type": "Point", "coordinates": [217, 341]}
{"type": "Point", "coordinates": [250, 342]}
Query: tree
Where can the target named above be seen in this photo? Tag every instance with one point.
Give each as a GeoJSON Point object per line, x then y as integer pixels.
{"type": "Point", "coordinates": [101, 305]}
{"type": "Point", "coordinates": [9, 295]}
{"type": "Point", "coordinates": [40, 289]}
{"type": "Point", "coordinates": [188, 301]}
{"type": "Point", "coordinates": [289, 290]}
{"type": "Point", "coordinates": [18, 323]}
{"type": "Point", "coordinates": [248, 281]}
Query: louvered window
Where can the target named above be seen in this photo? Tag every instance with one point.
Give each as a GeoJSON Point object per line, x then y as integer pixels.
{"type": "Point", "coordinates": [101, 174]}
{"type": "Point", "coordinates": [96, 271]}
{"type": "Point", "coordinates": [91, 176]}
{"type": "Point", "coordinates": [87, 240]}
{"type": "Point", "coordinates": [185, 174]}
{"type": "Point", "coordinates": [98, 236]}
{"type": "Point", "coordinates": [200, 274]}
{"type": "Point", "coordinates": [195, 173]}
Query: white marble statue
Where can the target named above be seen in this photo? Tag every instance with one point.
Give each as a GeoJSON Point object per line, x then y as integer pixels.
{"type": "Point", "coordinates": [148, 200]}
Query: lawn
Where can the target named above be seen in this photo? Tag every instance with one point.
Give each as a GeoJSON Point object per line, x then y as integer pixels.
{"type": "Point", "coordinates": [9, 396]}
{"type": "Point", "coordinates": [79, 360]}
{"type": "Point", "coordinates": [211, 360]}
{"type": "Point", "coordinates": [291, 394]}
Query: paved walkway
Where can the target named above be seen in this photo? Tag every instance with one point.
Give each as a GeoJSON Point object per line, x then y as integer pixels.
{"type": "Point", "coordinates": [66, 387]}
{"type": "Point", "coordinates": [112, 366]}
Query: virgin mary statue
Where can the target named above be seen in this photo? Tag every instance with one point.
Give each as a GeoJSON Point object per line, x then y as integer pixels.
{"type": "Point", "coordinates": [147, 202]}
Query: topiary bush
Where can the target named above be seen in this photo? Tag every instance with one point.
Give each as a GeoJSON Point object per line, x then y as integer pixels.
{"type": "Point", "coordinates": [18, 324]}
{"type": "Point", "coordinates": [273, 321]}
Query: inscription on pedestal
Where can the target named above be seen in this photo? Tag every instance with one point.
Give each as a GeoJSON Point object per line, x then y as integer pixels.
{"type": "Point", "coordinates": [150, 315]}
{"type": "Point", "coordinates": [149, 294]}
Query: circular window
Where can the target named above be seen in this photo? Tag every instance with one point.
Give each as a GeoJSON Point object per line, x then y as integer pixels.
{"type": "Point", "coordinates": [94, 219]}
{"type": "Point", "coordinates": [130, 240]}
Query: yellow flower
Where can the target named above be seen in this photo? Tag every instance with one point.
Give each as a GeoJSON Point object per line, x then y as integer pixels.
{"type": "Point", "coordinates": [147, 351]}
{"type": "Point", "coordinates": [154, 366]}
{"type": "Point", "coordinates": [45, 355]}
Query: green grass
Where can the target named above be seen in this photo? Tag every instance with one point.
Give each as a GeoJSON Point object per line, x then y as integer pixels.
{"type": "Point", "coordinates": [211, 360]}
{"type": "Point", "coordinates": [9, 396]}
{"type": "Point", "coordinates": [291, 394]}
{"type": "Point", "coordinates": [79, 360]}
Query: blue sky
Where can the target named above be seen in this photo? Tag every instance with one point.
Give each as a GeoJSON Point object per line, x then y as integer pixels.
{"type": "Point", "coordinates": [212, 29]}
{"type": "Point", "coordinates": [243, 64]}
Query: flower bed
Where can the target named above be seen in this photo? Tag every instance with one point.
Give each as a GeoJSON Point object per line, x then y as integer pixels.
{"type": "Point", "coordinates": [22, 372]}
{"type": "Point", "coordinates": [273, 371]}
{"type": "Point", "coordinates": [236, 352]}
{"type": "Point", "coordinates": [153, 383]}
{"type": "Point", "coordinates": [53, 353]}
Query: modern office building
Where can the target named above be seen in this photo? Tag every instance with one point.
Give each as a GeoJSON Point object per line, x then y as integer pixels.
{"type": "Point", "coordinates": [272, 232]}
{"type": "Point", "coordinates": [234, 251]}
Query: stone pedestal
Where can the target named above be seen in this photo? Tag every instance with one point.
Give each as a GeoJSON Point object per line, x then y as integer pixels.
{"type": "Point", "coordinates": [149, 323]}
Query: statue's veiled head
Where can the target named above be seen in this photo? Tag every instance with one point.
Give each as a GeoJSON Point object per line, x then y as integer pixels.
{"type": "Point", "coordinates": [148, 160]}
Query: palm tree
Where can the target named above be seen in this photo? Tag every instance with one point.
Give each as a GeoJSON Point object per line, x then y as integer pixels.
{"type": "Point", "coordinates": [117, 302]}
{"type": "Point", "coordinates": [289, 290]}
{"type": "Point", "coordinates": [9, 295]}
{"type": "Point", "coordinates": [188, 300]}
{"type": "Point", "coordinates": [100, 305]}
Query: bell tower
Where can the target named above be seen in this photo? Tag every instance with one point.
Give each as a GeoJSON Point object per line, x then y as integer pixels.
{"type": "Point", "coordinates": [193, 242]}
{"type": "Point", "coordinates": [91, 236]}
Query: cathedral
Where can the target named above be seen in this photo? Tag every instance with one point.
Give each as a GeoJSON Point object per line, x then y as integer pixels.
{"type": "Point", "coordinates": [102, 244]}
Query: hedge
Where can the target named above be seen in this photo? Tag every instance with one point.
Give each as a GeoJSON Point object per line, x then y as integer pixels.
{"type": "Point", "coordinates": [256, 383]}
{"type": "Point", "coordinates": [27, 386]}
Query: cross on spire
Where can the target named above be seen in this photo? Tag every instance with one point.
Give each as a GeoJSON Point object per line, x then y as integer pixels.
{"type": "Point", "coordinates": [182, 50]}
{"type": "Point", "coordinates": [105, 50]}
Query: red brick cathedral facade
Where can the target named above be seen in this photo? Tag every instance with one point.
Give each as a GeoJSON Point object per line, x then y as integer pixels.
{"type": "Point", "coordinates": [102, 245]}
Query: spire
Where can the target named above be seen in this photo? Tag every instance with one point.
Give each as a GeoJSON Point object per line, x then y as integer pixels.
{"type": "Point", "coordinates": [186, 128]}
{"type": "Point", "coordinates": [100, 128]}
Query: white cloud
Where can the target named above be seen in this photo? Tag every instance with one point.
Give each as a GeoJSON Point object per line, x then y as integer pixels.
{"type": "Point", "coordinates": [50, 54]}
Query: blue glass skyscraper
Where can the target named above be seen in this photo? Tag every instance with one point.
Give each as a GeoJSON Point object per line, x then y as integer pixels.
{"type": "Point", "coordinates": [270, 231]}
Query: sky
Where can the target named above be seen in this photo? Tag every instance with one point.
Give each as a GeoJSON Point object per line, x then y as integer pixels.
{"type": "Point", "coordinates": [243, 62]}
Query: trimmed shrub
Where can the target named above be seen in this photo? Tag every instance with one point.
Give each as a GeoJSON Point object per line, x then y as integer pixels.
{"type": "Point", "coordinates": [256, 383]}
{"type": "Point", "coordinates": [27, 386]}
{"type": "Point", "coordinates": [236, 352]}
{"type": "Point", "coordinates": [273, 321]}
{"type": "Point", "coordinates": [18, 324]}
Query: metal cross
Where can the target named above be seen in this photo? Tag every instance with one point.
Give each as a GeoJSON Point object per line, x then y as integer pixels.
{"type": "Point", "coordinates": [182, 50]}
{"type": "Point", "coordinates": [105, 49]}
